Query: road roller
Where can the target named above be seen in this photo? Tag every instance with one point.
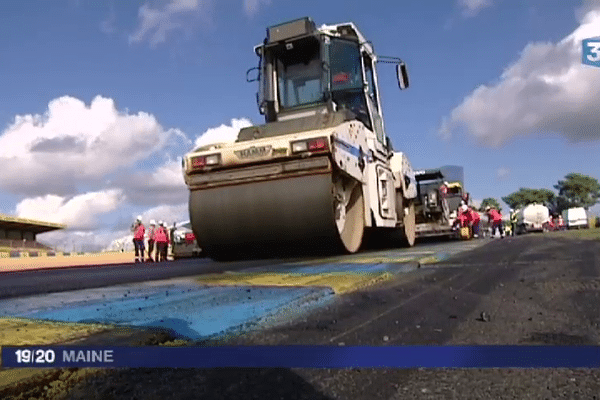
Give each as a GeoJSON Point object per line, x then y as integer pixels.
{"type": "Point", "coordinates": [320, 171]}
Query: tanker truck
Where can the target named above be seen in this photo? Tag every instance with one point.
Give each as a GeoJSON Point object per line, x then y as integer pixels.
{"type": "Point", "coordinates": [532, 218]}
{"type": "Point", "coordinates": [320, 171]}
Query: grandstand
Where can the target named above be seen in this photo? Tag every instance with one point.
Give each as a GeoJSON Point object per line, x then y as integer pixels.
{"type": "Point", "coordinates": [21, 234]}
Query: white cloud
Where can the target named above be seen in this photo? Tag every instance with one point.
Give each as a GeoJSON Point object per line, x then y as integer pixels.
{"type": "Point", "coordinates": [164, 185]}
{"type": "Point", "coordinates": [166, 213]}
{"type": "Point", "coordinates": [547, 90]}
{"type": "Point", "coordinates": [223, 133]}
{"type": "Point", "coordinates": [114, 240]}
{"type": "Point", "coordinates": [107, 26]}
{"type": "Point", "coordinates": [251, 6]}
{"type": "Point", "coordinates": [87, 241]}
{"type": "Point", "coordinates": [79, 212]}
{"type": "Point", "coordinates": [156, 23]}
{"type": "Point", "coordinates": [75, 143]}
{"type": "Point", "coordinates": [502, 173]}
{"type": "Point", "coordinates": [472, 7]}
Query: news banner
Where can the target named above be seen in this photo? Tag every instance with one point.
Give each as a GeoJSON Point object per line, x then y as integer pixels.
{"type": "Point", "coordinates": [303, 357]}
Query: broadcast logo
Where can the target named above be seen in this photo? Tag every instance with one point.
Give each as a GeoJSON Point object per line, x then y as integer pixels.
{"type": "Point", "coordinates": [591, 51]}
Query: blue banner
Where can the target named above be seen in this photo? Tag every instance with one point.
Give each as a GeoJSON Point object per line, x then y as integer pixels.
{"type": "Point", "coordinates": [304, 357]}
{"type": "Point", "coordinates": [590, 54]}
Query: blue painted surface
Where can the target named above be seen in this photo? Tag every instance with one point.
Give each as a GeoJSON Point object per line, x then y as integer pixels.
{"type": "Point", "coordinates": [189, 311]}
{"type": "Point", "coordinates": [351, 268]}
{"type": "Point", "coordinates": [336, 268]}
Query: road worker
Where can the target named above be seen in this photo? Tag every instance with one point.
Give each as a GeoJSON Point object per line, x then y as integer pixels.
{"type": "Point", "coordinates": [463, 219]}
{"type": "Point", "coordinates": [138, 239]}
{"type": "Point", "coordinates": [475, 221]}
{"type": "Point", "coordinates": [151, 232]}
{"type": "Point", "coordinates": [161, 240]}
{"type": "Point", "coordinates": [513, 222]}
{"type": "Point", "coordinates": [443, 190]}
{"type": "Point", "coordinates": [495, 218]}
{"type": "Point", "coordinates": [561, 223]}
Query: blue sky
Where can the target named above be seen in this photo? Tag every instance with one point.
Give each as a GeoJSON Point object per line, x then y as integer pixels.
{"type": "Point", "coordinates": [99, 99]}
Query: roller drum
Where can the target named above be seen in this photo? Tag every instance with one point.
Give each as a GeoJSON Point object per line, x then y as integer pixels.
{"type": "Point", "coordinates": [261, 215]}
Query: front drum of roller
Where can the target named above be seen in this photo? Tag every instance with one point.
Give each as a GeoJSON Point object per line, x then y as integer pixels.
{"type": "Point", "coordinates": [295, 212]}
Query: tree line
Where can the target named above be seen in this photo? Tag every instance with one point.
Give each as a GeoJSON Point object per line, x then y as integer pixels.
{"type": "Point", "coordinates": [575, 190]}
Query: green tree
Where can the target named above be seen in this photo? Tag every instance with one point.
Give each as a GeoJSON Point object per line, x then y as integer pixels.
{"type": "Point", "coordinates": [489, 201]}
{"type": "Point", "coordinates": [525, 196]}
{"type": "Point", "coordinates": [577, 190]}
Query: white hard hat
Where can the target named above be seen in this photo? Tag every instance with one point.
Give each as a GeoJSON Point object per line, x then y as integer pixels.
{"type": "Point", "coordinates": [139, 218]}
{"type": "Point", "coordinates": [152, 222]}
{"type": "Point", "coordinates": [161, 223]}
{"type": "Point", "coordinates": [464, 207]}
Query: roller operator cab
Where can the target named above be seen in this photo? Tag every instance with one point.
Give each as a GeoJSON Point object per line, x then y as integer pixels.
{"type": "Point", "coordinates": [321, 168]}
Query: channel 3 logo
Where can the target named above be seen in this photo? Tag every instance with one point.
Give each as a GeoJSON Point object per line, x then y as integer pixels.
{"type": "Point", "coordinates": [591, 51]}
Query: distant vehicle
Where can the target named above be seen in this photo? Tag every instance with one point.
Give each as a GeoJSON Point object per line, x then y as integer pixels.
{"type": "Point", "coordinates": [435, 212]}
{"type": "Point", "coordinates": [183, 241]}
{"type": "Point", "coordinates": [576, 218]}
{"type": "Point", "coordinates": [531, 218]}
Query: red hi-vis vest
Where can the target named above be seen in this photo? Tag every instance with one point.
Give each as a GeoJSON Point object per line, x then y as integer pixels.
{"type": "Point", "coordinates": [495, 215]}
{"type": "Point", "coordinates": [475, 217]}
{"type": "Point", "coordinates": [464, 217]}
{"type": "Point", "coordinates": [160, 236]}
{"type": "Point", "coordinates": [139, 232]}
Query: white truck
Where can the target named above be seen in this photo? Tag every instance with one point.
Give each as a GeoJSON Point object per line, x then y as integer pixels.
{"type": "Point", "coordinates": [183, 241]}
{"type": "Point", "coordinates": [321, 170]}
{"type": "Point", "coordinates": [575, 218]}
{"type": "Point", "coordinates": [532, 218]}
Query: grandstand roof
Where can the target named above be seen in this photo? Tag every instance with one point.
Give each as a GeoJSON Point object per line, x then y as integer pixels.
{"type": "Point", "coordinates": [29, 225]}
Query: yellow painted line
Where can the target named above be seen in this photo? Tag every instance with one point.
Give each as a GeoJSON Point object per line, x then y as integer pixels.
{"type": "Point", "coordinates": [338, 282]}
{"type": "Point", "coordinates": [26, 332]}
{"type": "Point", "coordinates": [380, 260]}
{"type": "Point", "coordinates": [363, 259]}
{"type": "Point", "coordinates": [428, 260]}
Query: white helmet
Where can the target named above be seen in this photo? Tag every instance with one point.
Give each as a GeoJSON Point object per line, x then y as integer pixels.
{"type": "Point", "coordinates": [464, 207]}
{"type": "Point", "coordinates": [139, 218]}
{"type": "Point", "coordinates": [161, 223]}
{"type": "Point", "coordinates": [152, 222]}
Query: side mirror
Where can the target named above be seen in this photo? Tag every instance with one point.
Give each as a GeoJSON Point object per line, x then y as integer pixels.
{"type": "Point", "coordinates": [388, 146]}
{"type": "Point", "coordinates": [253, 74]}
{"type": "Point", "coordinates": [402, 75]}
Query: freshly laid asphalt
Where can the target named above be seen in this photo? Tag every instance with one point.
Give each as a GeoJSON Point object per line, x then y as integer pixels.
{"type": "Point", "coordinates": [536, 289]}
{"type": "Point", "coordinates": [32, 282]}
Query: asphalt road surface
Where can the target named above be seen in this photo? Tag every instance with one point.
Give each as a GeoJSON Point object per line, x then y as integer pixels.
{"type": "Point", "coordinates": [32, 282]}
{"type": "Point", "coordinates": [537, 289]}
